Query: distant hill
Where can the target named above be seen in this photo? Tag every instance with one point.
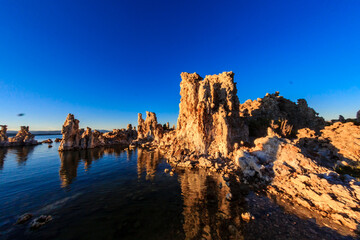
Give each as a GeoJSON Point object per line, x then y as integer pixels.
{"type": "Point", "coordinates": [56, 132]}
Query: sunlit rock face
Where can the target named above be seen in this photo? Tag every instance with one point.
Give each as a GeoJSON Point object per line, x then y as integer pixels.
{"type": "Point", "coordinates": [71, 134]}
{"type": "Point", "coordinates": [209, 121]}
{"type": "Point", "coordinates": [75, 138]}
{"type": "Point", "coordinates": [290, 173]}
{"type": "Point", "coordinates": [149, 129]}
{"type": "Point", "coordinates": [3, 137]}
{"type": "Point", "coordinates": [345, 137]}
{"type": "Point", "coordinates": [283, 115]}
{"type": "Point", "coordinates": [320, 189]}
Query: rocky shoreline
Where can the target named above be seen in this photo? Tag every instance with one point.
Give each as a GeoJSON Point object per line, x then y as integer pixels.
{"type": "Point", "coordinates": [278, 146]}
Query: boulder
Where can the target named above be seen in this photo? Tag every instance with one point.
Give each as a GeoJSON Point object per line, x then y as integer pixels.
{"type": "Point", "coordinates": [47, 141]}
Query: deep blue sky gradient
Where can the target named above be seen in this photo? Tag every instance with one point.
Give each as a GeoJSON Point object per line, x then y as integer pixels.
{"type": "Point", "coordinates": [105, 61]}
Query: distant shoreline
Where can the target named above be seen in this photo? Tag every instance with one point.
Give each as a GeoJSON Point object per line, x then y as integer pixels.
{"type": "Point", "coordinates": [36, 133]}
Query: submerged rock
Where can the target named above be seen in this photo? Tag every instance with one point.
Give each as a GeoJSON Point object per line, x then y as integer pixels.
{"type": "Point", "coordinates": [40, 221]}
{"type": "Point", "coordinates": [24, 218]}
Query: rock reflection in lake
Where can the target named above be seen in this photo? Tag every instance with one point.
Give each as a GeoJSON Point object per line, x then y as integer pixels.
{"type": "Point", "coordinates": [22, 153]}
{"type": "Point", "coordinates": [3, 152]}
{"type": "Point", "coordinates": [210, 214]}
{"type": "Point", "coordinates": [70, 161]}
{"type": "Point", "coordinates": [68, 168]}
{"type": "Point", "coordinates": [148, 161]}
{"type": "Point", "coordinates": [207, 212]}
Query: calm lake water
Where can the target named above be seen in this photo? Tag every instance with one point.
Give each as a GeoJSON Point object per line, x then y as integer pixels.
{"type": "Point", "coordinates": [111, 193]}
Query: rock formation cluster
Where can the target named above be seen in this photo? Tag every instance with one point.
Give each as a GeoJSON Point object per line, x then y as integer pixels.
{"type": "Point", "coordinates": [281, 145]}
{"type": "Point", "coordinates": [281, 114]}
{"type": "Point", "coordinates": [149, 129]}
{"type": "Point", "coordinates": [76, 138]}
{"type": "Point", "coordinates": [22, 138]}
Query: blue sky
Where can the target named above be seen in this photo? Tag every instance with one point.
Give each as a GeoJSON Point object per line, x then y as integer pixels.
{"type": "Point", "coordinates": [105, 61]}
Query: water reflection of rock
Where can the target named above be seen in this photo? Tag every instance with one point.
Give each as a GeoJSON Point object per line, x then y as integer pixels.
{"type": "Point", "coordinates": [70, 161]}
{"type": "Point", "coordinates": [3, 152]}
{"type": "Point", "coordinates": [68, 167]}
{"type": "Point", "coordinates": [148, 161]}
{"type": "Point", "coordinates": [207, 212]}
{"type": "Point", "coordinates": [21, 154]}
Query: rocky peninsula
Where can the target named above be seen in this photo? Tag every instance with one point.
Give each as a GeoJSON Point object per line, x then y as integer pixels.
{"type": "Point", "coordinates": [283, 148]}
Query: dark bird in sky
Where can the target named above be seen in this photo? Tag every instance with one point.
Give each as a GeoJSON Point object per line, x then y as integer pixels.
{"type": "Point", "coordinates": [21, 114]}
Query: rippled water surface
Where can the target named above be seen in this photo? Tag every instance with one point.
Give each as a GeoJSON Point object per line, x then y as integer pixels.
{"type": "Point", "coordinates": [112, 193]}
